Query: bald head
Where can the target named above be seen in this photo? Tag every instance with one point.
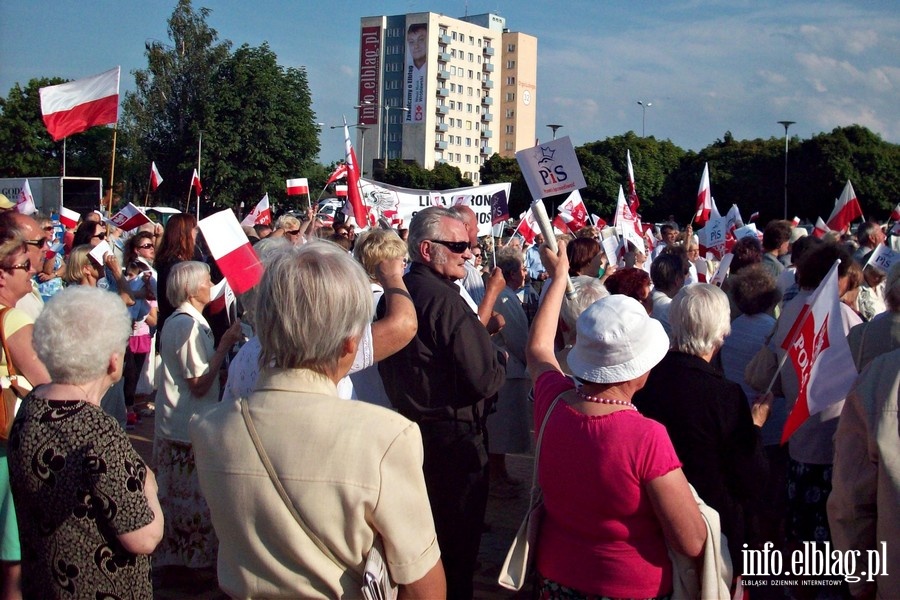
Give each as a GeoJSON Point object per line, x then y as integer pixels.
{"type": "Point", "coordinates": [470, 219]}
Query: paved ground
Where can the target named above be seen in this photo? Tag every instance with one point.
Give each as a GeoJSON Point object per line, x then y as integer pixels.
{"type": "Point", "coordinates": [503, 517]}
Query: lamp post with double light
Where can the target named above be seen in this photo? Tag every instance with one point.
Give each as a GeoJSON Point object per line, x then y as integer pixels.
{"type": "Point", "coordinates": [786, 125]}
{"type": "Point", "coordinates": [644, 106]}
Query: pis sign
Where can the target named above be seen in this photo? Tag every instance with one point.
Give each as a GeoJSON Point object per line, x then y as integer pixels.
{"type": "Point", "coordinates": [550, 169]}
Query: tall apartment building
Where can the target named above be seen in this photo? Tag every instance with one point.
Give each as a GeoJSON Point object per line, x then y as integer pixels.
{"type": "Point", "coordinates": [435, 89]}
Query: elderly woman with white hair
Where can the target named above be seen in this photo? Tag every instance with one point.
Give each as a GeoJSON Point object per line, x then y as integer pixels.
{"type": "Point", "coordinates": [614, 493]}
{"type": "Point", "coordinates": [351, 471]}
{"type": "Point", "coordinates": [87, 504]}
{"type": "Point", "coordinates": [189, 384]}
{"type": "Point", "coordinates": [713, 427]}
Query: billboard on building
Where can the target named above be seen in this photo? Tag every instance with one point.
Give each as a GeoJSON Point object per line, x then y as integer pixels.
{"type": "Point", "coordinates": [416, 73]}
{"type": "Point", "coordinates": [369, 74]}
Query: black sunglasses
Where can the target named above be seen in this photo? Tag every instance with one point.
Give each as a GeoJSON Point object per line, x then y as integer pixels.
{"type": "Point", "coordinates": [25, 266]}
{"type": "Point", "coordinates": [145, 246]}
{"type": "Point", "coordinates": [102, 236]}
{"type": "Point", "coordinates": [294, 232]}
{"type": "Point", "coordinates": [454, 247]}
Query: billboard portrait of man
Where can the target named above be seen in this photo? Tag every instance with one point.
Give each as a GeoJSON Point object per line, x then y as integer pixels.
{"type": "Point", "coordinates": [416, 70]}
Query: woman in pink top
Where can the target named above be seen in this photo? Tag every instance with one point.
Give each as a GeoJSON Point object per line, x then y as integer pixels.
{"type": "Point", "coordinates": [613, 488]}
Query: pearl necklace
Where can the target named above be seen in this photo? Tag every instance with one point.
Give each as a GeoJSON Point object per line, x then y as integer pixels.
{"type": "Point", "coordinates": [598, 400]}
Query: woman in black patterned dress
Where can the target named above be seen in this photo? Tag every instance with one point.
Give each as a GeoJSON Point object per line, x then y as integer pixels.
{"type": "Point", "coordinates": [87, 504]}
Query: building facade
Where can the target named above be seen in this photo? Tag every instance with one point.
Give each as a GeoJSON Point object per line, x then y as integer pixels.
{"type": "Point", "coordinates": [435, 90]}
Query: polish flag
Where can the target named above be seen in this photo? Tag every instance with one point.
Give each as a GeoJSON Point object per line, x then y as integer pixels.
{"type": "Point", "coordinates": [704, 199]}
{"type": "Point", "coordinates": [528, 227]}
{"type": "Point", "coordinates": [195, 182]}
{"type": "Point", "coordinates": [68, 217]}
{"type": "Point", "coordinates": [130, 217]}
{"type": "Point", "coordinates": [297, 187]}
{"type": "Point", "coordinates": [231, 250]}
{"type": "Point", "coordinates": [221, 299]}
{"type": "Point", "coordinates": [846, 209]}
{"type": "Point", "coordinates": [820, 229]}
{"type": "Point", "coordinates": [633, 201]}
{"type": "Point", "coordinates": [818, 349]}
{"type": "Point", "coordinates": [598, 221]}
{"type": "Point", "coordinates": [354, 198]}
{"type": "Point", "coordinates": [340, 191]}
{"type": "Point", "coordinates": [155, 177]}
{"type": "Point", "coordinates": [895, 214]}
{"type": "Point", "coordinates": [626, 224]}
{"type": "Point", "coordinates": [260, 215]}
{"type": "Point", "coordinates": [340, 172]}
{"type": "Point", "coordinates": [795, 222]}
{"type": "Point", "coordinates": [73, 107]}
{"type": "Point", "coordinates": [25, 203]}
{"type": "Point", "coordinates": [572, 214]}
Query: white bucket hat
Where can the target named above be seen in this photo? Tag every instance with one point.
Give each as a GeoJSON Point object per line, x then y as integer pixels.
{"type": "Point", "coordinates": [616, 341]}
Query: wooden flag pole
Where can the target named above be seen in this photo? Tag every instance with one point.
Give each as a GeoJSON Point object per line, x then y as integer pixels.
{"type": "Point", "coordinates": [149, 184]}
{"type": "Point", "coordinates": [112, 170]}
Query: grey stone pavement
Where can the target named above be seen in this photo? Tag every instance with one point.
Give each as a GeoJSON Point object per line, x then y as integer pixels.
{"type": "Point", "coordinates": [503, 518]}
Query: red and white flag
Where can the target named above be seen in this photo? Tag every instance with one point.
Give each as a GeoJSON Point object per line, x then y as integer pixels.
{"type": "Point", "coordinates": [68, 217]}
{"type": "Point", "coordinates": [221, 298]}
{"type": "Point", "coordinates": [340, 191]}
{"type": "Point", "coordinates": [528, 227]}
{"type": "Point", "coordinates": [704, 199]}
{"type": "Point", "coordinates": [297, 187]}
{"type": "Point", "coordinates": [25, 203]}
{"type": "Point", "coordinates": [231, 250]}
{"type": "Point", "coordinates": [895, 214]}
{"type": "Point", "coordinates": [340, 172]}
{"type": "Point", "coordinates": [626, 224]}
{"type": "Point", "coordinates": [572, 214]}
{"type": "Point", "coordinates": [130, 217]}
{"type": "Point", "coordinates": [633, 202]}
{"type": "Point", "coordinates": [70, 108]}
{"type": "Point", "coordinates": [846, 209]}
{"type": "Point", "coordinates": [195, 182]}
{"type": "Point", "coordinates": [354, 198]}
{"type": "Point", "coordinates": [260, 215]}
{"type": "Point", "coordinates": [155, 177]}
{"type": "Point", "coordinates": [733, 218]}
{"type": "Point", "coordinates": [820, 229]}
{"type": "Point", "coordinates": [795, 222]}
{"type": "Point", "coordinates": [818, 350]}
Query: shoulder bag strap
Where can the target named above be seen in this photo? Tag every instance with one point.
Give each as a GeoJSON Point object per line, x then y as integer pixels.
{"type": "Point", "coordinates": [535, 489]}
{"type": "Point", "coordinates": [11, 370]}
{"type": "Point", "coordinates": [251, 428]}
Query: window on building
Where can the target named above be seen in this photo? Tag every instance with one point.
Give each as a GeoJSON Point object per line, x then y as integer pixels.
{"type": "Point", "coordinates": [470, 91]}
{"type": "Point", "coordinates": [452, 70]}
{"type": "Point", "coordinates": [510, 64]}
{"type": "Point", "coordinates": [510, 129]}
{"type": "Point", "coordinates": [468, 159]}
{"type": "Point", "coordinates": [479, 42]}
{"type": "Point", "coordinates": [454, 35]}
{"type": "Point", "coordinates": [508, 146]}
{"type": "Point", "coordinates": [477, 110]}
{"type": "Point", "coordinates": [510, 47]}
{"type": "Point", "coordinates": [453, 53]}
{"type": "Point", "coordinates": [478, 59]}
{"type": "Point", "coordinates": [477, 126]}
{"type": "Point", "coordinates": [458, 157]}
{"type": "Point", "coordinates": [459, 123]}
{"type": "Point", "coordinates": [476, 160]}
{"type": "Point", "coordinates": [477, 75]}
{"type": "Point", "coordinates": [452, 105]}
{"type": "Point", "coordinates": [468, 108]}
{"type": "Point", "coordinates": [458, 140]}
{"type": "Point", "coordinates": [510, 113]}
{"type": "Point", "coordinates": [510, 81]}
{"type": "Point", "coordinates": [510, 96]}
{"type": "Point", "coordinates": [469, 125]}
{"type": "Point", "coordinates": [468, 142]}
{"type": "Point", "coordinates": [471, 74]}
{"type": "Point", "coordinates": [471, 57]}
{"type": "Point", "coordinates": [443, 30]}
{"type": "Point", "coordinates": [471, 40]}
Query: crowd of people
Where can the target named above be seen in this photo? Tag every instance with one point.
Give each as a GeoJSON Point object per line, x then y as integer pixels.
{"type": "Point", "coordinates": [362, 399]}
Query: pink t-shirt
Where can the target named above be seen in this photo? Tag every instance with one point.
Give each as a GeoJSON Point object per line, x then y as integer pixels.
{"type": "Point", "coordinates": [600, 534]}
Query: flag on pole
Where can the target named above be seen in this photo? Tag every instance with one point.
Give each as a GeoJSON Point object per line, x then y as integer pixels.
{"type": "Point", "coordinates": [231, 250]}
{"type": "Point", "coordinates": [795, 222]}
{"type": "Point", "coordinates": [25, 203]}
{"type": "Point", "coordinates": [818, 350]}
{"type": "Point", "coordinates": [633, 201]}
{"type": "Point", "coordinates": [340, 172]}
{"type": "Point", "coordinates": [820, 229]}
{"type": "Point", "coordinates": [195, 183]}
{"type": "Point", "coordinates": [70, 108]}
{"type": "Point", "coordinates": [499, 208]}
{"type": "Point", "coordinates": [130, 217]}
{"type": "Point", "coordinates": [340, 191]}
{"type": "Point", "coordinates": [260, 215]}
{"type": "Point", "coordinates": [895, 214]}
{"type": "Point", "coordinates": [528, 227]}
{"type": "Point", "coordinates": [354, 198]}
{"type": "Point", "coordinates": [221, 298]}
{"type": "Point", "coordinates": [572, 214]}
{"type": "Point", "coordinates": [68, 217]}
{"type": "Point", "coordinates": [704, 198]}
{"type": "Point", "coordinates": [155, 177]}
{"type": "Point", "coordinates": [625, 224]}
{"type": "Point", "coordinates": [846, 209]}
{"type": "Point", "coordinates": [297, 187]}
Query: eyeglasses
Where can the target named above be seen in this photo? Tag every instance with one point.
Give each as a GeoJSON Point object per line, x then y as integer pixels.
{"type": "Point", "coordinates": [25, 266]}
{"type": "Point", "coordinates": [454, 247]}
{"type": "Point", "coordinates": [37, 243]}
{"type": "Point", "coordinates": [102, 236]}
{"type": "Point", "coordinates": [145, 246]}
{"type": "Point", "coordinates": [48, 228]}
{"type": "Point", "coordinates": [294, 232]}
{"type": "Point", "coordinates": [476, 255]}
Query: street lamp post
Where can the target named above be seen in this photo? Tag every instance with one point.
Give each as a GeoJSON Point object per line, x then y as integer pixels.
{"type": "Point", "coordinates": [554, 127]}
{"type": "Point", "coordinates": [362, 147]}
{"type": "Point", "coordinates": [786, 125]}
{"type": "Point", "coordinates": [384, 140]}
{"type": "Point", "coordinates": [644, 107]}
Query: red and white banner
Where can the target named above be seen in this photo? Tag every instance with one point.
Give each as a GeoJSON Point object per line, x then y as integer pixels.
{"type": "Point", "coordinates": [340, 172]}
{"type": "Point", "coordinates": [354, 198]}
{"type": "Point", "coordinates": [25, 203]}
{"type": "Point", "coordinates": [846, 209]}
{"type": "Point", "coordinates": [572, 214]}
{"type": "Point", "coordinates": [195, 182]}
{"type": "Point", "coordinates": [704, 199]}
{"type": "Point", "coordinates": [633, 201]}
{"type": "Point", "coordinates": [130, 217]}
{"type": "Point", "coordinates": [68, 217]}
{"type": "Point", "coordinates": [70, 108]}
{"type": "Point", "coordinates": [260, 215]}
{"type": "Point", "coordinates": [155, 177]}
{"type": "Point", "coordinates": [231, 250]}
{"type": "Point", "coordinates": [820, 229]}
{"type": "Point", "coordinates": [340, 191]}
{"type": "Point", "coordinates": [296, 187]}
{"type": "Point", "coordinates": [528, 227]}
{"type": "Point", "coordinates": [818, 350]}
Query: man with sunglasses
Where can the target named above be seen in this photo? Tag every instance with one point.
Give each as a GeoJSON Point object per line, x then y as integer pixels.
{"type": "Point", "coordinates": [36, 239]}
{"type": "Point", "coordinates": [440, 380]}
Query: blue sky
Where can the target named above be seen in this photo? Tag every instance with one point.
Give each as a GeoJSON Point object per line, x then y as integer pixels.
{"type": "Point", "coordinates": [707, 66]}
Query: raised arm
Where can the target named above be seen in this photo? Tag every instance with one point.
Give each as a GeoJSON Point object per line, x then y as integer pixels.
{"type": "Point", "coordinates": [540, 350]}
{"type": "Point", "coordinates": [399, 325]}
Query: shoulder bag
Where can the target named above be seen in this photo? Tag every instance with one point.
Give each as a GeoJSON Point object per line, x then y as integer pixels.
{"type": "Point", "coordinates": [375, 582]}
{"type": "Point", "coordinates": [520, 558]}
{"type": "Point", "coordinates": [10, 396]}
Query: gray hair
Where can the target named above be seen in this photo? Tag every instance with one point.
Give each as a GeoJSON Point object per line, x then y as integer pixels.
{"type": "Point", "coordinates": [700, 317]}
{"type": "Point", "coordinates": [510, 260]}
{"type": "Point", "coordinates": [265, 249]}
{"type": "Point", "coordinates": [322, 297]}
{"type": "Point", "coordinates": [587, 291]}
{"type": "Point", "coordinates": [77, 332]}
{"type": "Point", "coordinates": [184, 281]}
{"type": "Point", "coordinates": [426, 225]}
